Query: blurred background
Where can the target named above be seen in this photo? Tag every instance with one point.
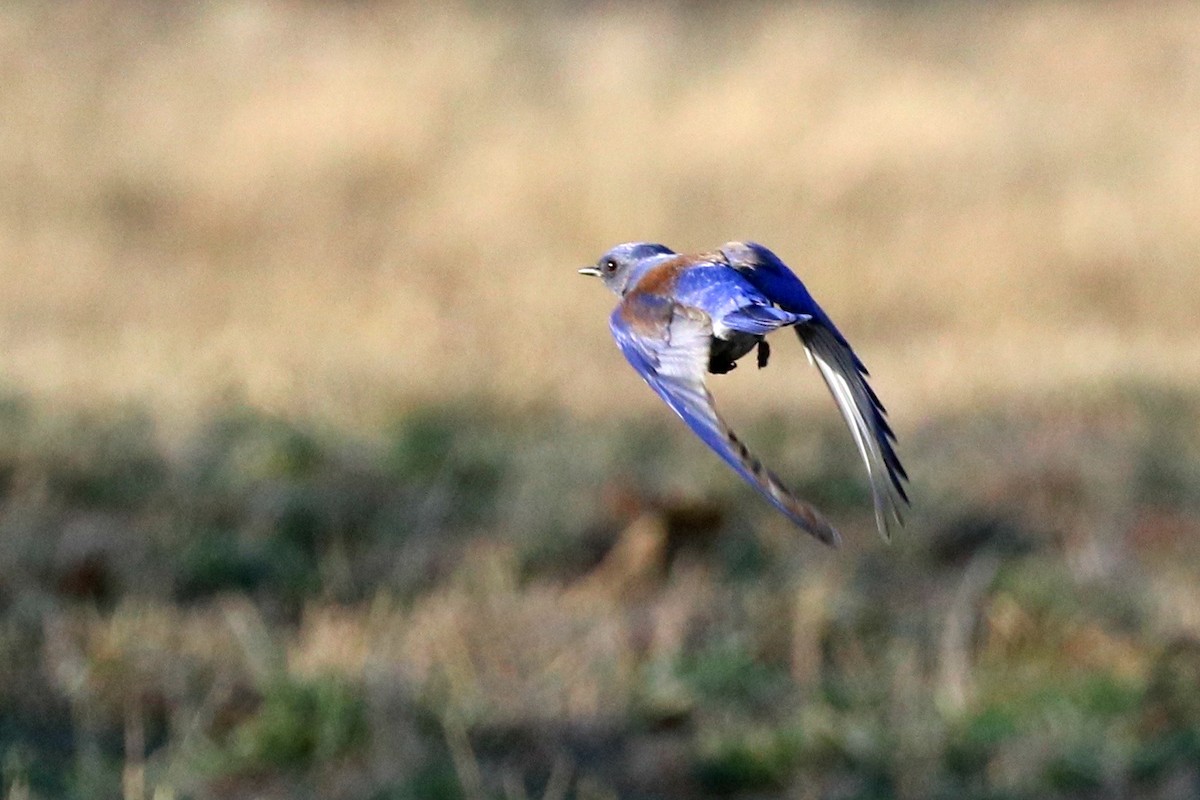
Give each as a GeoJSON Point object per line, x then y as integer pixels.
{"type": "Point", "coordinates": [320, 475]}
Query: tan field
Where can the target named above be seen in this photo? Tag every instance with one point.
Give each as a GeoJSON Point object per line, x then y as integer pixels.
{"type": "Point", "coordinates": [320, 475]}
{"type": "Point", "coordinates": [341, 211]}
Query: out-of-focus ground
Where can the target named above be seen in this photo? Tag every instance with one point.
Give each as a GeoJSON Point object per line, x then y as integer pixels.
{"type": "Point", "coordinates": [341, 209]}
{"type": "Point", "coordinates": [320, 475]}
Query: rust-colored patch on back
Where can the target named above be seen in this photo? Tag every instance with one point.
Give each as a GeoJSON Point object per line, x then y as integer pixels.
{"type": "Point", "coordinates": [645, 315]}
{"type": "Point", "coordinates": [661, 280]}
{"type": "Point", "coordinates": [648, 307]}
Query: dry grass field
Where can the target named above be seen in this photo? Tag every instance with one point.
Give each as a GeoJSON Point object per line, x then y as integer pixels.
{"type": "Point", "coordinates": [320, 476]}
{"type": "Point", "coordinates": [341, 210]}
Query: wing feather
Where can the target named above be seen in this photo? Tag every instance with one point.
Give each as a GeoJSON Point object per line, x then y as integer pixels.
{"type": "Point", "coordinates": [864, 415]}
{"type": "Point", "coordinates": [843, 372]}
{"type": "Point", "coordinates": [672, 357]}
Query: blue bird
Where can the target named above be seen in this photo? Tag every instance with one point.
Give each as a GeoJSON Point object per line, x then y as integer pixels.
{"type": "Point", "coordinates": [682, 316]}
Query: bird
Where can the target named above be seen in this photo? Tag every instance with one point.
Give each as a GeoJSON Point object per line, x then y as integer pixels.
{"type": "Point", "coordinates": [683, 316]}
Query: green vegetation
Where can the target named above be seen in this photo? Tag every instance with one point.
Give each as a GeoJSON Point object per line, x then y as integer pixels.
{"type": "Point", "coordinates": [266, 604]}
{"type": "Point", "coordinates": [320, 476]}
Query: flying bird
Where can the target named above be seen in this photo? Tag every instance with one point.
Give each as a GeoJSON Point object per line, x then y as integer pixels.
{"type": "Point", "coordinates": [682, 316]}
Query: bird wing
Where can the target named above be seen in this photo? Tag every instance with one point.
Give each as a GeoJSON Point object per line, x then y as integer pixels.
{"type": "Point", "coordinates": [865, 416]}
{"type": "Point", "coordinates": [668, 344]}
{"type": "Point", "coordinates": [844, 374]}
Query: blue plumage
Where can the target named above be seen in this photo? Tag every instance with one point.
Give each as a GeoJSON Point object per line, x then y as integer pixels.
{"type": "Point", "coordinates": [683, 316]}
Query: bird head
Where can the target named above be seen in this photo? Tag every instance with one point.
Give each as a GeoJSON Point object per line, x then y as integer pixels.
{"type": "Point", "coordinates": [621, 264]}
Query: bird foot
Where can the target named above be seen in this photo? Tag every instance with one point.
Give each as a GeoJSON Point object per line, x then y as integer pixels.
{"type": "Point", "coordinates": [721, 367]}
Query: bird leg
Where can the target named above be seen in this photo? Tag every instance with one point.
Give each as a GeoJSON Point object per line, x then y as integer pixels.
{"type": "Point", "coordinates": [764, 353]}
{"type": "Point", "coordinates": [719, 364]}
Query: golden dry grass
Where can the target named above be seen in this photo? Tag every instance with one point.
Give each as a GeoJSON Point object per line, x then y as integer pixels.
{"type": "Point", "coordinates": [338, 210]}
{"type": "Point", "coordinates": [345, 211]}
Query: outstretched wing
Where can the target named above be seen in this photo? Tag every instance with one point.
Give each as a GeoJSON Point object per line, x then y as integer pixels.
{"type": "Point", "coordinates": [668, 344]}
{"type": "Point", "coordinates": [844, 374]}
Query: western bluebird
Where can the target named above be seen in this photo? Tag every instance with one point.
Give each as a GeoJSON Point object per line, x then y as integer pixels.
{"type": "Point", "coordinates": [681, 316]}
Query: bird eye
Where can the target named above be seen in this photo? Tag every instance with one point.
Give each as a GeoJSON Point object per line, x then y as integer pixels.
{"type": "Point", "coordinates": [610, 265]}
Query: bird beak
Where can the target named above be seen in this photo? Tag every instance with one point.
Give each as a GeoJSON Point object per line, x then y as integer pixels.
{"type": "Point", "coordinates": [595, 273]}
